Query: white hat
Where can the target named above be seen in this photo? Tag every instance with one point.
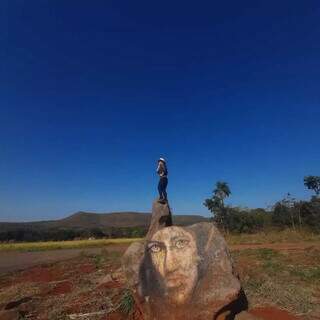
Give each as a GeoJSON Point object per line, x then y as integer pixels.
{"type": "Point", "coordinates": [161, 159]}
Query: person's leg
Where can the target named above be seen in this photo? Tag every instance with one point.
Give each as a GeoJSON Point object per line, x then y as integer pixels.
{"type": "Point", "coordinates": [164, 187]}
{"type": "Point", "coordinates": [160, 189]}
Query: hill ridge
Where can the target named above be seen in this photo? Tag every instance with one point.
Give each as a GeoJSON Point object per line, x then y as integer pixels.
{"type": "Point", "coordinates": [86, 220]}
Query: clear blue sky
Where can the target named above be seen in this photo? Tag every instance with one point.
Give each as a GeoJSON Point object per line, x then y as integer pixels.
{"type": "Point", "coordinates": [92, 93]}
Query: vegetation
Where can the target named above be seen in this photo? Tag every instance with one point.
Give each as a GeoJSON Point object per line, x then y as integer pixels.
{"type": "Point", "coordinates": [28, 234]}
{"type": "Point", "coordinates": [54, 245]}
{"type": "Point", "coordinates": [273, 237]}
{"type": "Point", "coordinates": [127, 302]}
{"type": "Point", "coordinates": [313, 183]}
{"type": "Point", "coordinates": [286, 213]}
{"type": "Point", "coordinates": [216, 203]}
{"type": "Point", "coordinates": [288, 280]}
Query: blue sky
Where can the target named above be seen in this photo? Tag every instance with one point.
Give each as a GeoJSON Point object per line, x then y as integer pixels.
{"type": "Point", "coordinates": [92, 94]}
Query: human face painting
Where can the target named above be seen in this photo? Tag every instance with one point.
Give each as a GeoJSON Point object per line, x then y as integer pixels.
{"type": "Point", "coordinates": [174, 255]}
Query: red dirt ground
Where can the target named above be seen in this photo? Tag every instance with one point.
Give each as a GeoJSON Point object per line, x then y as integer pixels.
{"type": "Point", "coordinates": [74, 287]}
{"type": "Point", "coordinates": [271, 313]}
{"type": "Point", "coordinates": [62, 288]}
{"type": "Point", "coordinates": [86, 268]}
{"type": "Point", "coordinates": [39, 274]}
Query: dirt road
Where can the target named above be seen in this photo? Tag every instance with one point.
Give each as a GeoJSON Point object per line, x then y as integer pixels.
{"type": "Point", "coordinates": [13, 260]}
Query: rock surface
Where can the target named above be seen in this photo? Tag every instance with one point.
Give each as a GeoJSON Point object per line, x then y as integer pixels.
{"type": "Point", "coordinates": [131, 263]}
{"type": "Point", "coordinates": [183, 273]}
{"type": "Point", "coordinates": [161, 218]}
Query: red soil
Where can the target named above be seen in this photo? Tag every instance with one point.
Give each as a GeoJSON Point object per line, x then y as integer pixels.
{"type": "Point", "coordinates": [62, 288]}
{"type": "Point", "coordinates": [271, 313]}
{"type": "Point", "coordinates": [110, 285]}
{"type": "Point", "coordinates": [39, 274]}
{"type": "Point", "coordinates": [120, 316]}
{"type": "Point", "coordinates": [87, 268]}
{"type": "Point", "coordinates": [115, 316]}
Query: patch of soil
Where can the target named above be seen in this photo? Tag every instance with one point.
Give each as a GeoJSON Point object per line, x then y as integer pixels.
{"type": "Point", "coordinates": [61, 288]}
{"type": "Point", "coordinates": [87, 268]}
{"type": "Point", "coordinates": [39, 274]}
{"type": "Point", "coordinates": [110, 285]}
{"type": "Point", "coordinates": [5, 282]}
{"type": "Point", "coordinates": [272, 313]}
{"type": "Point", "coordinates": [135, 315]}
{"type": "Point", "coordinates": [115, 316]}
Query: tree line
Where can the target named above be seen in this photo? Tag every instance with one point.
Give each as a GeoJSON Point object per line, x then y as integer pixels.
{"type": "Point", "coordinates": [63, 234]}
{"type": "Point", "coordinates": [288, 212]}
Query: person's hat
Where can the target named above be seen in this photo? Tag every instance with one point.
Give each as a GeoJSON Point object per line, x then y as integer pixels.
{"type": "Point", "coordinates": [161, 159]}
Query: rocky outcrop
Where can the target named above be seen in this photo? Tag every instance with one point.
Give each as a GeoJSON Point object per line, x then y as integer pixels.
{"type": "Point", "coordinates": [131, 263]}
{"type": "Point", "coordinates": [187, 273]}
{"type": "Point", "coordinates": [183, 272]}
{"type": "Point", "coordinates": [161, 218]}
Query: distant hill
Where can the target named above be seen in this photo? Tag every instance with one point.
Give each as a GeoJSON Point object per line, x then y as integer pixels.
{"type": "Point", "coordinates": [85, 225]}
{"type": "Point", "coordinates": [88, 220]}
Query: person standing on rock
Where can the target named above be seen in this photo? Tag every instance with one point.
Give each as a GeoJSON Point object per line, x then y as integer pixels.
{"type": "Point", "coordinates": [163, 182]}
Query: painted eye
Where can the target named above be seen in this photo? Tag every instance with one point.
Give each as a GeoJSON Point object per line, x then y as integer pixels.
{"type": "Point", "coordinates": [181, 243]}
{"type": "Point", "coordinates": [155, 248]}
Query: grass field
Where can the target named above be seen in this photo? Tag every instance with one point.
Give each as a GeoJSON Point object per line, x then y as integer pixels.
{"type": "Point", "coordinates": [54, 245]}
{"type": "Point", "coordinates": [285, 236]}
{"type": "Point", "coordinates": [287, 280]}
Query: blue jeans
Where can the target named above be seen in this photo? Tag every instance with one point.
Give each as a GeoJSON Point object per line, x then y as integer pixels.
{"type": "Point", "coordinates": [162, 186]}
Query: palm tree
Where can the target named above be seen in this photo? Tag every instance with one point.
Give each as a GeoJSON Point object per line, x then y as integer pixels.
{"type": "Point", "coordinates": [222, 190]}
{"type": "Point", "coordinates": [216, 203]}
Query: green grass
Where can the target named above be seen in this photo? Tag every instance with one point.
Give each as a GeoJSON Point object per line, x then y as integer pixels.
{"type": "Point", "coordinates": [127, 302]}
{"type": "Point", "coordinates": [54, 245]}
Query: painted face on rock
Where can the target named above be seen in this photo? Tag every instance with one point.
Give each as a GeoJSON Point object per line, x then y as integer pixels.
{"type": "Point", "coordinates": [174, 255]}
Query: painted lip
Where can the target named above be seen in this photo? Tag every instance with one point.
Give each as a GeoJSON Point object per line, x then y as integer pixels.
{"type": "Point", "coordinates": [175, 281]}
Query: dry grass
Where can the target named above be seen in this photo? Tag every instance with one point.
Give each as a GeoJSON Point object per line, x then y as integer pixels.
{"type": "Point", "coordinates": [54, 245]}
{"type": "Point", "coordinates": [283, 236]}
{"type": "Point", "coordinates": [289, 280]}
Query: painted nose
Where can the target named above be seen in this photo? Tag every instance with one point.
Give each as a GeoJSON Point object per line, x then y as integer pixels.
{"type": "Point", "coordinates": [171, 262]}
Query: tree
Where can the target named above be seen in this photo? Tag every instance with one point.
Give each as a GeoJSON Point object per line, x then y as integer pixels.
{"type": "Point", "coordinates": [289, 202]}
{"type": "Point", "coordinates": [286, 212]}
{"type": "Point", "coordinates": [312, 183]}
{"type": "Point", "coordinates": [216, 203]}
{"type": "Point", "coordinates": [222, 190]}
{"type": "Point", "coordinates": [310, 213]}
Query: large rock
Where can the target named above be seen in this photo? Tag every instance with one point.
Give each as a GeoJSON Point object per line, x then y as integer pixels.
{"type": "Point", "coordinates": [184, 273]}
{"type": "Point", "coordinates": [161, 218]}
{"type": "Point", "coordinates": [131, 263]}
